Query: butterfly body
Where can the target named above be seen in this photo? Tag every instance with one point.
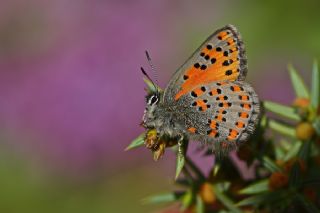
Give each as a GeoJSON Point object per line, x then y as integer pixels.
{"type": "Point", "coordinates": [206, 100]}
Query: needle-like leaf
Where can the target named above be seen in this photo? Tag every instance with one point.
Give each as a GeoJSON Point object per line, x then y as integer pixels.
{"type": "Point", "coordinates": [293, 151]}
{"type": "Point", "coordinates": [139, 141]}
{"type": "Point", "coordinates": [227, 202]}
{"type": "Point", "coordinates": [282, 128]}
{"type": "Point", "coordinates": [270, 165]}
{"type": "Point", "coordinates": [298, 84]}
{"type": "Point", "coordinates": [199, 205]}
{"type": "Point", "coordinates": [163, 198]}
{"type": "Point", "coordinates": [285, 111]}
{"type": "Point", "coordinates": [180, 164]}
{"type": "Point", "coordinates": [255, 188]}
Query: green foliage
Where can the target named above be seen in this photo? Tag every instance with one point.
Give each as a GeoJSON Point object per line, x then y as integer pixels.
{"type": "Point", "coordinates": [298, 84]}
{"type": "Point", "coordinates": [255, 188]}
{"type": "Point", "coordinates": [180, 165]}
{"type": "Point", "coordinates": [285, 153]}
{"type": "Point", "coordinates": [227, 202]}
{"type": "Point", "coordinates": [139, 141]}
{"type": "Point", "coordinates": [200, 205]}
{"type": "Point", "coordinates": [281, 110]}
{"type": "Point", "coordinates": [162, 198]}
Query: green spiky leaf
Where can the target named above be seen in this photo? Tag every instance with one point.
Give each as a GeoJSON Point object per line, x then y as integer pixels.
{"type": "Point", "coordinates": [187, 199]}
{"type": "Point", "coordinates": [293, 151]}
{"type": "Point", "coordinates": [181, 155]}
{"type": "Point", "coordinates": [298, 84]}
{"type": "Point", "coordinates": [180, 164]}
{"type": "Point", "coordinates": [316, 125]}
{"type": "Point", "coordinates": [267, 197]}
{"type": "Point", "coordinates": [227, 202]}
{"type": "Point", "coordinates": [285, 111]}
{"type": "Point", "coordinates": [279, 153]}
{"type": "Point", "coordinates": [270, 165]}
{"type": "Point", "coordinates": [315, 85]}
{"type": "Point", "coordinates": [282, 128]}
{"type": "Point", "coordinates": [199, 205]}
{"type": "Point", "coordinates": [163, 198]}
{"type": "Point", "coordinates": [255, 188]}
{"type": "Point", "coordinates": [216, 168]}
{"type": "Point", "coordinates": [139, 141]}
{"type": "Point", "coordinates": [304, 152]}
{"type": "Point", "coordinates": [263, 121]}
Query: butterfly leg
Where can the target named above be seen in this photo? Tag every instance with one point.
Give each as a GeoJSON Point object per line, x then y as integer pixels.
{"type": "Point", "coordinates": [180, 146]}
{"type": "Point", "coordinates": [182, 150]}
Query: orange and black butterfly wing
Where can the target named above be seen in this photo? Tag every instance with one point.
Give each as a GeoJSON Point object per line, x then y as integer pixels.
{"type": "Point", "coordinates": [220, 58]}
{"type": "Point", "coordinates": [224, 113]}
{"type": "Point", "coordinates": [209, 95]}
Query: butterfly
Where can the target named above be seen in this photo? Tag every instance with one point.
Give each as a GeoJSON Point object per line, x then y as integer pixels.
{"type": "Point", "coordinates": [206, 99]}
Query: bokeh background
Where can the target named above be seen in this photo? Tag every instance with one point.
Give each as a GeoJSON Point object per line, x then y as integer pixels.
{"type": "Point", "coordinates": [72, 95]}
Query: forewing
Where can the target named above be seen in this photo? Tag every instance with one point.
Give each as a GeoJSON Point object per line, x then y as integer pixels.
{"type": "Point", "coordinates": [220, 58]}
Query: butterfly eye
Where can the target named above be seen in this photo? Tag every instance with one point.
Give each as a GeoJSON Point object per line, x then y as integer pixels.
{"type": "Point", "coordinates": [153, 100]}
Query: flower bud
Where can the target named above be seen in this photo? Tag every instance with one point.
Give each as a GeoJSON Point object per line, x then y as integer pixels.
{"type": "Point", "coordinates": [278, 180]}
{"type": "Point", "coordinates": [207, 193]}
{"type": "Point", "coordinates": [304, 131]}
{"type": "Point", "coordinates": [301, 102]}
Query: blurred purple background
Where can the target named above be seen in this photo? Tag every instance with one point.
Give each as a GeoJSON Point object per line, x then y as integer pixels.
{"type": "Point", "coordinates": [72, 95]}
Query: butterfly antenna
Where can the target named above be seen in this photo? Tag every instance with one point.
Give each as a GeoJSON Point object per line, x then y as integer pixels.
{"type": "Point", "coordinates": [152, 67]}
{"type": "Point", "coordinates": [145, 73]}
{"type": "Point", "coordinates": [148, 77]}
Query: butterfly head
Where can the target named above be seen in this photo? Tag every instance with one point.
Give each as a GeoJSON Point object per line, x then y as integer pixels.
{"type": "Point", "coordinates": [150, 122]}
{"type": "Point", "coordinates": [152, 103]}
{"type": "Point", "coordinates": [154, 118]}
{"type": "Point", "coordinates": [153, 98]}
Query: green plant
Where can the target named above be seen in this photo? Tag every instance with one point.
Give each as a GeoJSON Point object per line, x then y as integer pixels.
{"type": "Point", "coordinates": [285, 151]}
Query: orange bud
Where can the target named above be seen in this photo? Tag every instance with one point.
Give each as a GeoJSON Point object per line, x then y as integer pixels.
{"type": "Point", "coordinates": [278, 180]}
{"type": "Point", "coordinates": [302, 106]}
{"type": "Point", "coordinates": [207, 193]}
{"type": "Point", "coordinates": [304, 131]}
{"type": "Point", "coordinates": [301, 102]}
